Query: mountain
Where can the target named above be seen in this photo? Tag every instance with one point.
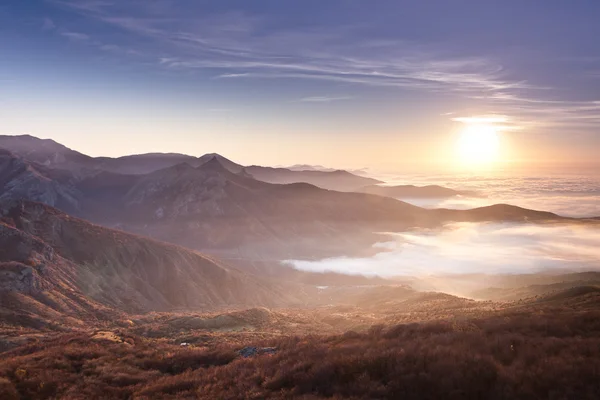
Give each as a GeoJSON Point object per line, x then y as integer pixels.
{"type": "Point", "coordinates": [140, 164]}
{"type": "Point", "coordinates": [415, 192]}
{"type": "Point", "coordinates": [66, 264]}
{"type": "Point", "coordinates": [338, 180]}
{"type": "Point", "coordinates": [52, 154]}
{"type": "Point", "coordinates": [46, 152]}
{"type": "Point", "coordinates": [210, 208]}
{"type": "Point", "coordinates": [225, 162]}
{"type": "Point", "coordinates": [21, 179]}
{"type": "Point", "coordinates": [308, 167]}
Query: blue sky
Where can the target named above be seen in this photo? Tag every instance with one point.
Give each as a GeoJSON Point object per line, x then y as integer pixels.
{"type": "Point", "coordinates": [343, 83]}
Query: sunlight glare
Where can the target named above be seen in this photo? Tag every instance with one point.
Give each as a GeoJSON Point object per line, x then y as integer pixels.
{"type": "Point", "coordinates": [478, 144]}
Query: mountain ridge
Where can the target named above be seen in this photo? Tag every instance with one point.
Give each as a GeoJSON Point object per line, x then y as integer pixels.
{"type": "Point", "coordinates": [53, 154]}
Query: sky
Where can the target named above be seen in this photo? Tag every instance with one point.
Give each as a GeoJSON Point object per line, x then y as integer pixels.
{"type": "Point", "coordinates": [342, 83]}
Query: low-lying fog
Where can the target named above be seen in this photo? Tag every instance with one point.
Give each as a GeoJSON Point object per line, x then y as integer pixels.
{"type": "Point", "coordinates": [467, 248]}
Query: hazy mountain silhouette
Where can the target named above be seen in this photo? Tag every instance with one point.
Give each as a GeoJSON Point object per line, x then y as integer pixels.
{"type": "Point", "coordinates": [335, 180]}
{"type": "Point", "coordinates": [412, 191]}
{"type": "Point", "coordinates": [55, 155]}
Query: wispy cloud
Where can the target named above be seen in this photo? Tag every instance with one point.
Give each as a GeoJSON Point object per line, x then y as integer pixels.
{"type": "Point", "coordinates": [48, 24]}
{"type": "Point", "coordinates": [324, 99]}
{"type": "Point", "coordinates": [232, 75]}
{"type": "Point", "coordinates": [232, 42]}
{"type": "Point", "coordinates": [75, 36]}
{"type": "Point", "coordinates": [85, 5]}
{"type": "Point", "coordinates": [482, 119]}
{"type": "Point", "coordinates": [237, 45]}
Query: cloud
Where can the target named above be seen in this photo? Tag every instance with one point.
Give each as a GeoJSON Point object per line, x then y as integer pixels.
{"type": "Point", "coordinates": [568, 195]}
{"type": "Point", "coordinates": [470, 248]}
{"type": "Point", "coordinates": [48, 24]}
{"type": "Point", "coordinates": [499, 122]}
{"type": "Point", "coordinates": [232, 75]}
{"type": "Point", "coordinates": [75, 36]}
{"type": "Point", "coordinates": [236, 41]}
{"type": "Point", "coordinates": [324, 99]}
{"type": "Point", "coordinates": [235, 44]}
{"type": "Point", "coordinates": [482, 119]}
{"type": "Point", "coordinates": [84, 5]}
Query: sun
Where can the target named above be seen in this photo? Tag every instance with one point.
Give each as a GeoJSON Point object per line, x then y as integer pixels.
{"type": "Point", "coordinates": [478, 144]}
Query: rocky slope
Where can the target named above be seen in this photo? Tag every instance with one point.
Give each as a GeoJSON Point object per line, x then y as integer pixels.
{"type": "Point", "coordinates": [48, 256]}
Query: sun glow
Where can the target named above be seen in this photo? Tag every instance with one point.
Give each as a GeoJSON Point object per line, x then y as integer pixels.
{"type": "Point", "coordinates": [478, 144]}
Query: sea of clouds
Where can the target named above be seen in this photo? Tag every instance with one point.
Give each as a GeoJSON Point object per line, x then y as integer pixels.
{"type": "Point", "coordinates": [572, 195]}
{"type": "Point", "coordinates": [467, 248]}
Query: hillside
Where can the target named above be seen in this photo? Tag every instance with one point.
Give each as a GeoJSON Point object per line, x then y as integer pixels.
{"type": "Point", "coordinates": [47, 251]}
{"type": "Point", "coordinates": [549, 354]}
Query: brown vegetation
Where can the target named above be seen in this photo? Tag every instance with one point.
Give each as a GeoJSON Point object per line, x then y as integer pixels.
{"type": "Point", "coordinates": [522, 355]}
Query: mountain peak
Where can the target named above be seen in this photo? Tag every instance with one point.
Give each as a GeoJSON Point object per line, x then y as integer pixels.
{"type": "Point", "coordinates": [212, 164]}
{"type": "Point", "coordinates": [225, 162]}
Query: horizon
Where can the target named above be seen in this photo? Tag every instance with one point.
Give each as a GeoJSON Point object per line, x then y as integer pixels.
{"type": "Point", "coordinates": [570, 168]}
{"type": "Point", "coordinates": [262, 83]}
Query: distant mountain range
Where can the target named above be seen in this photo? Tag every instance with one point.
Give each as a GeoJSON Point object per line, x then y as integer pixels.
{"type": "Point", "coordinates": [416, 192]}
{"type": "Point", "coordinates": [211, 208]}
{"type": "Point", "coordinates": [51, 154]}
{"type": "Point", "coordinates": [308, 167]}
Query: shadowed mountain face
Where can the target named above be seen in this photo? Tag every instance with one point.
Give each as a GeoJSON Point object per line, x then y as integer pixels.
{"type": "Point", "coordinates": [63, 263]}
{"type": "Point", "coordinates": [411, 191]}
